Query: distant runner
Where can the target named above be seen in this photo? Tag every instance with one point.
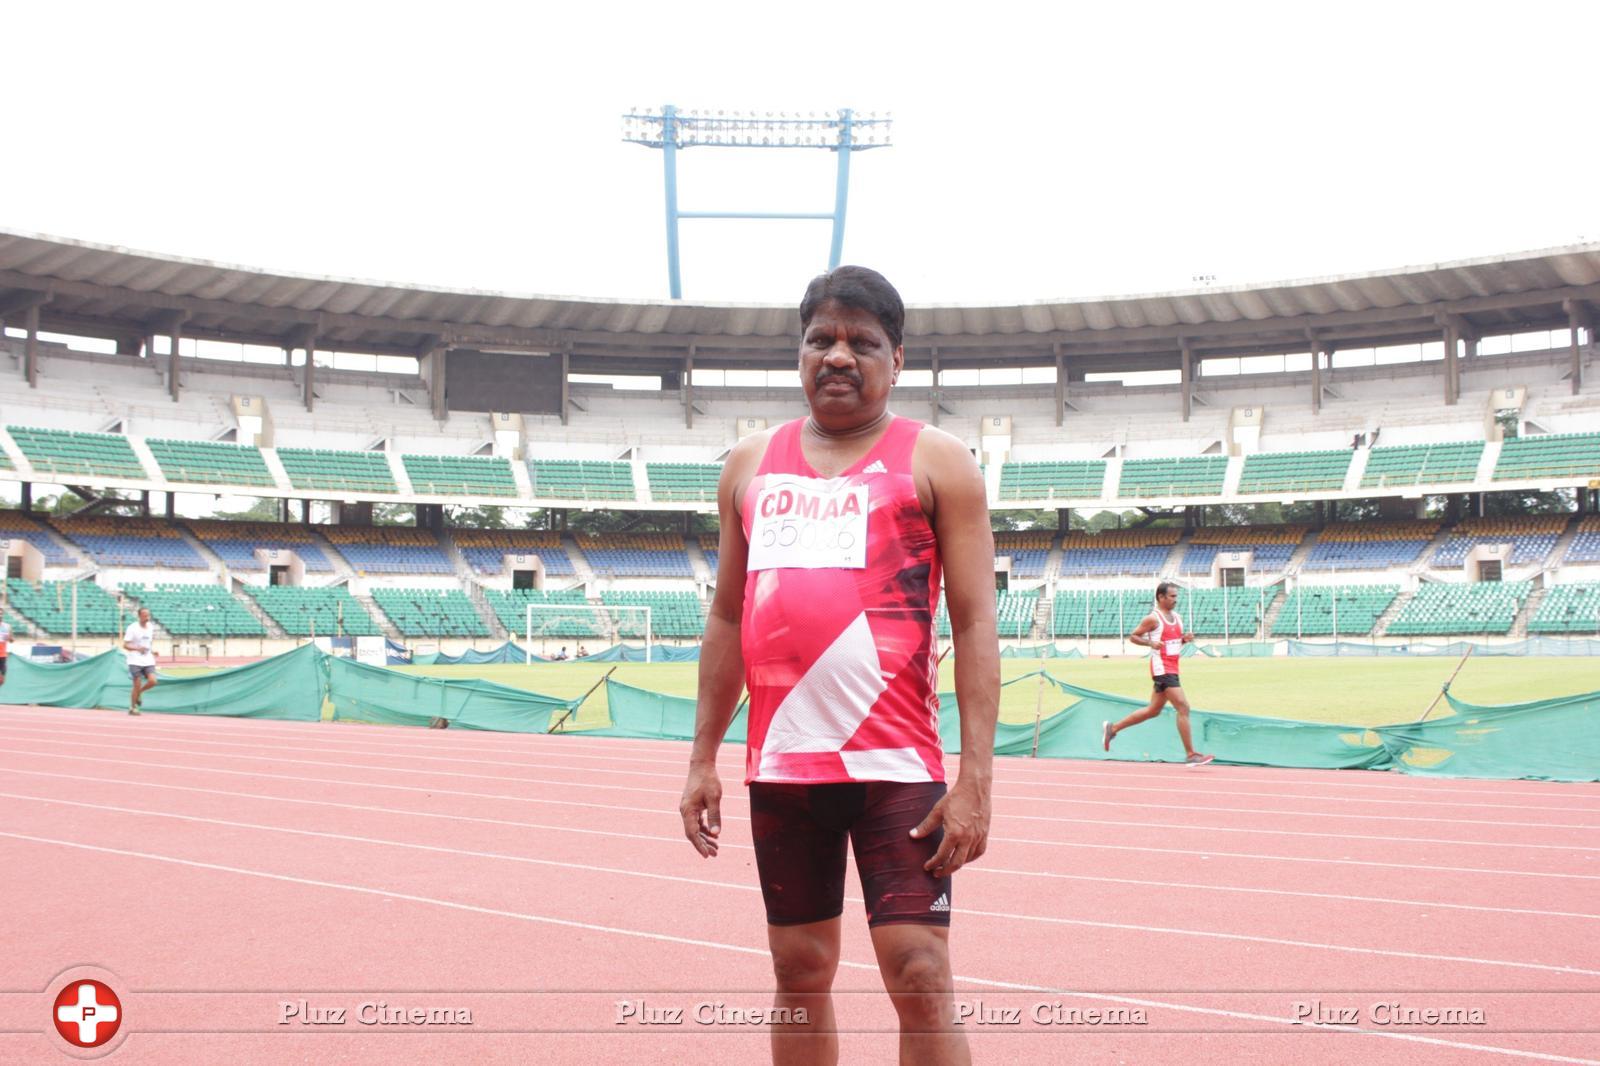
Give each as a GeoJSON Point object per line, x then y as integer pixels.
{"type": "Point", "coordinates": [5, 647]}
{"type": "Point", "coordinates": [1162, 632]}
{"type": "Point", "coordinates": [136, 645]}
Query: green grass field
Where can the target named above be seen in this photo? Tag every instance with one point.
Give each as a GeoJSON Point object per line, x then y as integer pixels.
{"type": "Point", "coordinates": [1357, 691]}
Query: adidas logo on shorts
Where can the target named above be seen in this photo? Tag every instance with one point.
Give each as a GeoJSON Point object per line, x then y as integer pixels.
{"type": "Point", "coordinates": [877, 467]}
{"type": "Point", "coordinates": [942, 903]}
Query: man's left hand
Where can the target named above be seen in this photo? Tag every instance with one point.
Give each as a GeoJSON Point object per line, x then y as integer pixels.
{"type": "Point", "coordinates": [964, 813]}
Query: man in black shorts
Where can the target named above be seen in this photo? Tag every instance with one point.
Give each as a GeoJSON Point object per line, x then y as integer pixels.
{"type": "Point", "coordinates": [835, 529]}
{"type": "Point", "coordinates": [1163, 633]}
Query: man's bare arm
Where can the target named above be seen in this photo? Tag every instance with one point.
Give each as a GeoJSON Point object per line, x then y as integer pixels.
{"type": "Point", "coordinates": [960, 518]}
{"type": "Point", "coordinates": [1139, 631]}
{"type": "Point", "coordinates": [721, 660]}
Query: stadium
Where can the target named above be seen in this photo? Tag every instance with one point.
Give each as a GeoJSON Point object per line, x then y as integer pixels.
{"type": "Point", "coordinates": [346, 502]}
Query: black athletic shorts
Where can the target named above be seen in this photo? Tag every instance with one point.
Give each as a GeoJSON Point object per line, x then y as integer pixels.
{"type": "Point", "coordinates": [1166, 681]}
{"type": "Point", "coordinates": [800, 833]}
{"type": "Point", "coordinates": [3, 659]}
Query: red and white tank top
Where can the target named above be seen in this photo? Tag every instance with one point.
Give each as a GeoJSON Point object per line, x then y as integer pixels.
{"type": "Point", "coordinates": [1164, 660]}
{"type": "Point", "coordinates": [838, 625]}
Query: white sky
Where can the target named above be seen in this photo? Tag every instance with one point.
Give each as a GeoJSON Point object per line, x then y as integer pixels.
{"type": "Point", "coordinates": [1049, 151]}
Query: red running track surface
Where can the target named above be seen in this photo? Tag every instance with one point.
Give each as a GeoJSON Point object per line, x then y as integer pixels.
{"type": "Point", "coordinates": [218, 872]}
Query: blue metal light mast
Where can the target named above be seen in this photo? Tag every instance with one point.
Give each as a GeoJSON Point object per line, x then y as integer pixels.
{"type": "Point", "coordinates": [841, 132]}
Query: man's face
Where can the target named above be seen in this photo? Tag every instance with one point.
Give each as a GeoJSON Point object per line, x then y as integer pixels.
{"type": "Point", "coordinates": [847, 365]}
{"type": "Point", "coordinates": [1168, 599]}
{"type": "Point", "coordinates": [144, 616]}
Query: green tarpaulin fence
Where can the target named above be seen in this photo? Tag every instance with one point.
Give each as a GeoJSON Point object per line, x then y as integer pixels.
{"type": "Point", "coordinates": [1551, 740]}
{"type": "Point", "coordinates": [290, 685]}
{"type": "Point", "coordinates": [641, 713]}
{"type": "Point", "coordinates": [1040, 651]}
{"type": "Point", "coordinates": [362, 693]}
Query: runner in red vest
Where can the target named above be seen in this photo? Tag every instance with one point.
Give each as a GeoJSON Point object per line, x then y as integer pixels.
{"type": "Point", "coordinates": [837, 530]}
{"type": "Point", "coordinates": [1162, 632]}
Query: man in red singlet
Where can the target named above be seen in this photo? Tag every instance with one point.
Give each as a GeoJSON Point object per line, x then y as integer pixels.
{"type": "Point", "coordinates": [836, 531]}
{"type": "Point", "coordinates": [1162, 632]}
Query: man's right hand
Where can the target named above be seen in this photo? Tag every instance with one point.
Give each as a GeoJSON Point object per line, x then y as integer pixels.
{"type": "Point", "coordinates": [701, 808]}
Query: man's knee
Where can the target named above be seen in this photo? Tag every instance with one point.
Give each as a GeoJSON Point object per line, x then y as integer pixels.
{"type": "Point", "coordinates": [804, 966]}
{"type": "Point", "coordinates": [919, 969]}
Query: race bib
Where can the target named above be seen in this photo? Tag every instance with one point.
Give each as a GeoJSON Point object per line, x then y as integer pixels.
{"type": "Point", "coordinates": [1174, 647]}
{"type": "Point", "coordinates": [809, 524]}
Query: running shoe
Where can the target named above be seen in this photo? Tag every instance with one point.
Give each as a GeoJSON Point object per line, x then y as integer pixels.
{"type": "Point", "coordinates": [133, 710]}
{"type": "Point", "coordinates": [1198, 759]}
{"type": "Point", "coordinates": [1106, 734]}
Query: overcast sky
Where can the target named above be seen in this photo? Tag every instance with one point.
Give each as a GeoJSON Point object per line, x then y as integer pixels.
{"type": "Point", "coordinates": [1098, 149]}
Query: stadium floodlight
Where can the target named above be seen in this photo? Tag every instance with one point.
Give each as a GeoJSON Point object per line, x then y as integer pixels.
{"type": "Point", "coordinates": [586, 621]}
{"type": "Point", "coordinates": [671, 130]}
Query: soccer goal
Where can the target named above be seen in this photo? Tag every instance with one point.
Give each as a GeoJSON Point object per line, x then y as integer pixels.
{"type": "Point", "coordinates": [579, 622]}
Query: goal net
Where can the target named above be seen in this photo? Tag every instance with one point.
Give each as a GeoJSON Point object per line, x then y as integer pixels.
{"type": "Point", "coordinates": [573, 626]}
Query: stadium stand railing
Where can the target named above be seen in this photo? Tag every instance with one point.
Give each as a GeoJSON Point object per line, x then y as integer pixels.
{"type": "Point", "coordinates": [1422, 464]}
{"type": "Point", "coordinates": [48, 605]}
{"type": "Point", "coordinates": [1370, 545]}
{"type": "Point", "coordinates": [235, 543]}
{"type": "Point", "coordinates": [1532, 538]}
{"type": "Point", "coordinates": [636, 554]}
{"type": "Point", "coordinates": [389, 549]}
{"type": "Point", "coordinates": [581, 479]}
{"type": "Point", "coordinates": [131, 542]}
{"type": "Point", "coordinates": [1484, 607]}
{"type": "Point", "coordinates": [1195, 475]}
{"type": "Point", "coordinates": [1077, 480]}
{"type": "Point", "coordinates": [321, 612]}
{"type": "Point", "coordinates": [430, 612]}
{"type": "Point", "coordinates": [683, 481]}
{"type": "Point", "coordinates": [1555, 455]}
{"type": "Point", "coordinates": [63, 453]}
{"type": "Point", "coordinates": [459, 475]}
{"type": "Point", "coordinates": [485, 549]}
{"type": "Point", "coordinates": [317, 469]}
{"type": "Point", "coordinates": [1290, 472]}
{"type": "Point", "coordinates": [195, 610]}
{"type": "Point", "coordinates": [14, 525]}
{"type": "Point", "coordinates": [210, 462]}
{"type": "Point", "coordinates": [1310, 610]}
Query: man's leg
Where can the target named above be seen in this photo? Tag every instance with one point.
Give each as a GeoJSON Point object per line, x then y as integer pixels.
{"type": "Point", "coordinates": [914, 959]}
{"type": "Point", "coordinates": [1180, 703]}
{"type": "Point", "coordinates": [804, 960]}
{"type": "Point", "coordinates": [1153, 708]}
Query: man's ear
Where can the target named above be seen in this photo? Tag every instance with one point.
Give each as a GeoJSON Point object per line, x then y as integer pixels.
{"type": "Point", "coordinates": [899, 364]}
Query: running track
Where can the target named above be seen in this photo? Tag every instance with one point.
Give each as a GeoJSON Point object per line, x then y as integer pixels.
{"type": "Point", "coordinates": [218, 868]}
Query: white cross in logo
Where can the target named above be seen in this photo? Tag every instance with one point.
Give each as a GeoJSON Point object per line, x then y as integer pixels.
{"type": "Point", "coordinates": [87, 1014]}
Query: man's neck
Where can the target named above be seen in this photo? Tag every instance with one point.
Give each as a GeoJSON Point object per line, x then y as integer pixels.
{"type": "Point", "coordinates": [846, 435]}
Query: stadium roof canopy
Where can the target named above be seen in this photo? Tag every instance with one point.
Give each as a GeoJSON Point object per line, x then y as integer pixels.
{"type": "Point", "coordinates": [96, 290]}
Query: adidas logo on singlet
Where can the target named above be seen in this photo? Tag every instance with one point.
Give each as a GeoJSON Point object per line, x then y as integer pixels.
{"type": "Point", "coordinates": [942, 903]}
{"type": "Point", "coordinates": [877, 467]}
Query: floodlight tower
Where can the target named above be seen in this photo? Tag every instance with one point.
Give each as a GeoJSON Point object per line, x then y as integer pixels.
{"type": "Point", "coordinates": [671, 129]}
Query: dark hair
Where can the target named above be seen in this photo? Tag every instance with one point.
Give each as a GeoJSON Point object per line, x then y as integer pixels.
{"type": "Point", "coordinates": [1161, 589]}
{"type": "Point", "coordinates": [861, 288]}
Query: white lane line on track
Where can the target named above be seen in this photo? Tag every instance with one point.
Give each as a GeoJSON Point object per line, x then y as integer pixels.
{"type": "Point", "coordinates": [1130, 927]}
{"type": "Point", "coordinates": [76, 739]}
{"type": "Point", "coordinates": [1108, 823]}
{"type": "Point", "coordinates": [1209, 854]}
{"type": "Point", "coordinates": [678, 841]}
{"type": "Point", "coordinates": [741, 949]}
{"type": "Point", "coordinates": [1401, 788]}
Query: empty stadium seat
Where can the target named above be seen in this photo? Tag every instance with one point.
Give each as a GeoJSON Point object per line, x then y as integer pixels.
{"type": "Point", "coordinates": [1014, 613]}
{"type": "Point", "coordinates": [683, 481]}
{"type": "Point", "coordinates": [1195, 475]}
{"type": "Point", "coordinates": [1029, 550]}
{"type": "Point", "coordinates": [1370, 545]}
{"type": "Point", "coordinates": [63, 453]}
{"type": "Point", "coordinates": [485, 549]}
{"type": "Point", "coordinates": [1113, 552]}
{"type": "Point", "coordinates": [1569, 609]}
{"type": "Point", "coordinates": [673, 615]}
{"type": "Point", "coordinates": [430, 612]}
{"type": "Point", "coordinates": [459, 475]}
{"type": "Point", "coordinates": [137, 542]}
{"type": "Point", "coordinates": [235, 543]}
{"type": "Point", "coordinates": [1077, 480]}
{"type": "Point", "coordinates": [337, 471]}
{"type": "Point", "coordinates": [1553, 455]}
{"type": "Point", "coordinates": [14, 525]}
{"type": "Point", "coordinates": [321, 612]}
{"type": "Point", "coordinates": [389, 549]}
{"type": "Point", "coordinates": [1290, 472]}
{"type": "Point", "coordinates": [1423, 464]}
{"type": "Point", "coordinates": [1487, 607]}
{"type": "Point", "coordinates": [580, 479]}
{"type": "Point", "coordinates": [195, 610]}
{"type": "Point", "coordinates": [210, 462]}
{"type": "Point", "coordinates": [1585, 546]}
{"type": "Point", "coordinates": [1532, 537]}
{"type": "Point", "coordinates": [1322, 610]}
{"type": "Point", "coordinates": [49, 605]}
{"type": "Point", "coordinates": [636, 554]}
{"type": "Point", "coordinates": [510, 606]}
{"type": "Point", "coordinates": [1272, 546]}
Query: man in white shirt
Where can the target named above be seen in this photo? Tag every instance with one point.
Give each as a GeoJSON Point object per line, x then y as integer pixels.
{"type": "Point", "coordinates": [137, 644]}
{"type": "Point", "coordinates": [5, 647]}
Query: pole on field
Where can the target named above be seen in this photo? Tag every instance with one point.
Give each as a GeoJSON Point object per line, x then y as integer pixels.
{"type": "Point", "coordinates": [1446, 687]}
{"type": "Point", "coordinates": [75, 619]}
{"type": "Point", "coordinates": [1088, 649]}
{"type": "Point", "coordinates": [1038, 714]}
{"type": "Point", "coordinates": [1336, 620]}
{"type": "Point", "coordinates": [1299, 613]}
{"type": "Point", "coordinates": [556, 728]}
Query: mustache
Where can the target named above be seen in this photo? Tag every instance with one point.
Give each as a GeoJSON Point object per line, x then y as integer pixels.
{"type": "Point", "coordinates": [825, 376]}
